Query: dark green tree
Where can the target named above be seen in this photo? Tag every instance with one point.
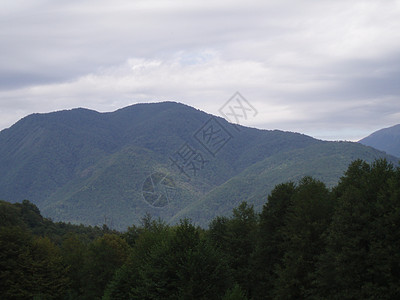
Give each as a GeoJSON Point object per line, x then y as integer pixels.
{"type": "Point", "coordinates": [270, 246]}
{"type": "Point", "coordinates": [200, 269]}
{"type": "Point", "coordinates": [236, 238]}
{"type": "Point", "coordinates": [305, 223]}
{"type": "Point", "coordinates": [49, 274]}
{"type": "Point", "coordinates": [75, 255]}
{"type": "Point", "coordinates": [30, 266]}
{"type": "Point", "coordinates": [129, 281]}
{"type": "Point", "coordinates": [171, 263]}
{"type": "Point", "coordinates": [15, 258]}
{"type": "Point", "coordinates": [362, 259]}
{"type": "Point", "coordinates": [235, 293]}
{"type": "Point", "coordinates": [105, 255]}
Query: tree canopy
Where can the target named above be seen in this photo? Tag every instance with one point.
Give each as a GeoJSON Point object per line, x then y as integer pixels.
{"type": "Point", "coordinates": [308, 242]}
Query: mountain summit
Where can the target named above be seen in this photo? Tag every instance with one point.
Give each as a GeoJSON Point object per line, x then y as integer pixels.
{"type": "Point", "coordinates": [387, 139]}
{"type": "Point", "coordinates": [166, 159]}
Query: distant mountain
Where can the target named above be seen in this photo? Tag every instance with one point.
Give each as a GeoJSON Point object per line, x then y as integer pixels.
{"type": "Point", "coordinates": [387, 139]}
{"type": "Point", "coordinates": [166, 159]}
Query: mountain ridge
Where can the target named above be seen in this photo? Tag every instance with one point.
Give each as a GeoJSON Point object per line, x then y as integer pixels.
{"type": "Point", "coordinates": [83, 166]}
{"type": "Point", "coordinates": [385, 139]}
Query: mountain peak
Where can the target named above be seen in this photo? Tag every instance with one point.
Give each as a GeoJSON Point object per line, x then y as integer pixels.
{"type": "Point", "coordinates": [82, 166]}
{"type": "Point", "coordinates": [386, 139]}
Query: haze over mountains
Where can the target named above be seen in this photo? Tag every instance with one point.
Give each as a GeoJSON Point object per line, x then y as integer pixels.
{"type": "Point", "coordinates": [166, 159]}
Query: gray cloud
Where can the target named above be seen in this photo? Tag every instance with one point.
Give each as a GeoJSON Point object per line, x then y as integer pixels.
{"type": "Point", "coordinates": [326, 68]}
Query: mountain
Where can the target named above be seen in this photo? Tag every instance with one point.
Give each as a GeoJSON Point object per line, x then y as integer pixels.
{"type": "Point", "coordinates": [387, 139]}
{"type": "Point", "coordinates": [166, 159]}
{"type": "Point", "coordinates": [325, 161]}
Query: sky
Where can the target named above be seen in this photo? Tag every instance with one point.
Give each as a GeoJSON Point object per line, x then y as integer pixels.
{"type": "Point", "coordinates": [329, 69]}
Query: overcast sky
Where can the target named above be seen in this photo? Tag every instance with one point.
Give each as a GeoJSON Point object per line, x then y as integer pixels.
{"type": "Point", "coordinates": [330, 69]}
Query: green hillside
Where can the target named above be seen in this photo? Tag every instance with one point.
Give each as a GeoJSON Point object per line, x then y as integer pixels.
{"type": "Point", "coordinates": [323, 161]}
{"type": "Point", "coordinates": [166, 159]}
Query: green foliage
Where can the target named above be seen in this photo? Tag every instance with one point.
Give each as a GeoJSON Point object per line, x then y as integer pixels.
{"type": "Point", "coordinates": [170, 263]}
{"type": "Point", "coordinates": [81, 166]}
{"type": "Point", "coordinates": [49, 273]}
{"type": "Point", "coordinates": [305, 223]}
{"type": "Point", "coordinates": [236, 293]}
{"type": "Point", "coordinates": [125, 284]}
{"type": "Point", "coordinates": [105, 255]}
{"type": "Point", "coordinates": [309, 242]}
{"type": "Point", "coordinates": [362, 255]}
{"type": "Point", "coordinates": [236, 237]}
{"type": "Point", "coordinates": [15, 244]}
{"type": "Point", "coordinates": [270, 246]}
{"type": "Point", "coordinates": [75, 255]}
{"type": "Point", "coordinates": [30, 267]}
{"type": "Point", "coordinates": [325, 161]}
{"type": "Point", "coordinates": [45, 260]}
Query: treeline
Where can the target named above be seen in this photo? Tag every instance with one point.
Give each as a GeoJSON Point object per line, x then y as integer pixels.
{"type": "Point", "coordinates": [309, 242]}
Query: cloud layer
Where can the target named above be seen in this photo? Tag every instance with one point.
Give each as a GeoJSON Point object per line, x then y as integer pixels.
{"type": "Point", "coordinates": [330, 69]}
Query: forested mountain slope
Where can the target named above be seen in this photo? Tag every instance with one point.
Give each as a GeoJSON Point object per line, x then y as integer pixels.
{"type": "Point", "coordinates": [161, 158]}
{"type": "Point", "coordinates": [387, 139]}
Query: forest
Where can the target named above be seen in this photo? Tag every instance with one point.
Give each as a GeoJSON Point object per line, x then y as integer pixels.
{"type": "Point", "coordinates": [308, 242]}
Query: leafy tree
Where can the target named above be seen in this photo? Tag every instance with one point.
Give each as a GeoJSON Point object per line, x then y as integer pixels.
{"type": "Point", "coordinates": [129, 278]}
{"type": "Point", "coordinates": [49, 274]}
{"type": "Point", "coordinates": [105, 255]}
{"type": "Point", "coordinates": [270, 246]}
{"type": "Point", "coordinates": [75, 254]}
{"type": "Point", "coordinates": [171, 263]}
{"type": "Point", "coordinates": [200, 271]}
{"type": "Point", "coordinates": [236, 293]}
{"type": "Point", "coordinates": [243, 228]}
{"type": "Point", "coordinates": [132, 234]}
{"type": "Point", "coordinates": [30, 213]}
{"type": "Point", "coordinates": [307, 243]}
{"type": "Point", "coordinates": [218, 233]}
{"type": "Point", "coordinates": [14, 259]}
{"type": "Point", "coordinates": [362, 258]}
{"type": "Point", "coordinates": [306, 221]}
{"type": "Point", "coordinates": [236, 238]}
{"type": "Point", "coordinates": [30, 267]}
